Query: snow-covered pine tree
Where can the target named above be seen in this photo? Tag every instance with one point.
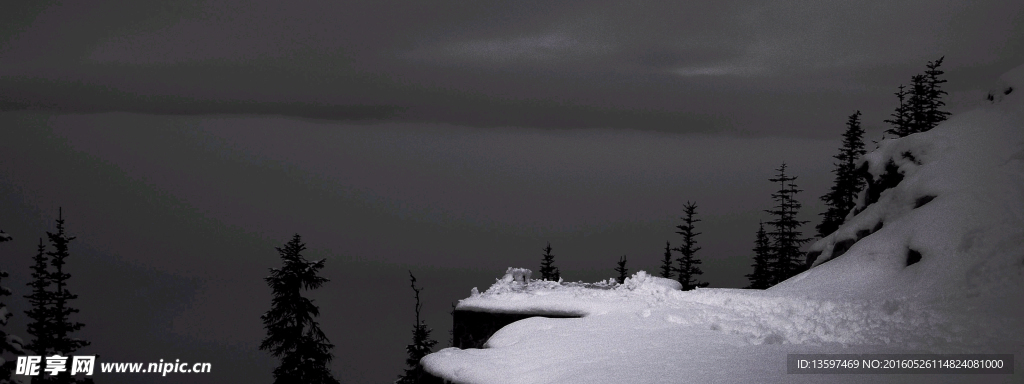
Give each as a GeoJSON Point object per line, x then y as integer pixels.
{"type": "Point", "coordinates": [688, 270]}
{"type": "Point", "coordinates": [666, 262]}
{"type": "Point", "coordinates": [841, 198]}
{"type": "Point", "coordinates": [293, 334]}
{"type": "Point", "coordinates": [10, 345]}
{"type": "Point", "coordinates": [786, 235]}
{"type": "Point", "coordinates": [933, 95]}
{"type": "Point", "coordinates": [548, 270]}
{"type": "Point", "coordinates": [901, 117]}
{"type": "Point", "coordinates": [421, 345]}
{"type": "Point", "coordinates": [621, 269]}
{"type": "Point", "coordinates": [761, 277]}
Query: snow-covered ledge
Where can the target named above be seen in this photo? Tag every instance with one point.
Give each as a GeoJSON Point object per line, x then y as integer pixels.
{"type": "Point", "coordinates": [516, 297]}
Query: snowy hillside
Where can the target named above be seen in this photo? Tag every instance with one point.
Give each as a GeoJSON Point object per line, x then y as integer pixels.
{"type": "Point", "coordinates": [931, 261]}
{"type": "Point", "coordinates": [943, 212]}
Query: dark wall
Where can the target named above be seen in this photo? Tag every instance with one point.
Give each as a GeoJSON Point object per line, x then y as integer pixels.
{"type": "Point", "coordinates": [471, 329]}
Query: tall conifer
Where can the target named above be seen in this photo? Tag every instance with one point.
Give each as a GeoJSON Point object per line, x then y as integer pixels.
{"type": "Point", "coordinates": [841, 198]}
{"type": "Point", "coordinates": [666, 262]}
{"type": "Point", "coordinates": [10, 345]}
{"type": "Point", "coordinates": [61, 297]}
{"type": "Point", "coordinates": [901, 117]}
{"type": "Point", "coordinates": [918, 104]}
{"type": "Point", "coordinates": [688, 270]}
{"type": "Point", "coordinates": [921, 104]}
{"type": "Point", "coordinates": [786, 235]}
{"type": "Point", "coordinates": [548, 270]}
{"type": "Point", "coordinates": [933, 94]}
{"type": "Point", "coordinates": [762, 276]}
{"type": "Point", "coordinates": [293, 334]}
{"type": "Point", "coordinates": [421, 345]}
{"type": "Point", "coordinates": [40, 301]}
{"type": "Point", "coordinates": [621, 269]}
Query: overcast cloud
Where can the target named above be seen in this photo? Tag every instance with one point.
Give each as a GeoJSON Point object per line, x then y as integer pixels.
{"type": "Point", "coordinates": [669, 66]}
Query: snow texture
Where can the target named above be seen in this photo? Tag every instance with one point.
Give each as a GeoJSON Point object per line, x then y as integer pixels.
{"type": "Point", "coordinates": [931, 261]}
{"type": "Point", "coordinates": [520, 275]}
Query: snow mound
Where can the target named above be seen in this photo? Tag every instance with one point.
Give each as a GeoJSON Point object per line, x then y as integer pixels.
{"type": "Point", "coordinates": [520, 275]}
{"type": "Point", "coordinates": [508, 295]}
{"type": "Point", "coordinates": [942, 213]}
{"type": "Point", "coordinates": [641, 281]}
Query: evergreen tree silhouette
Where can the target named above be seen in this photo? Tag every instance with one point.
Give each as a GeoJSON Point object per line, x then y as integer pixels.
{"type": "Point", "coordinates": [918, 105]}
{"type": "Point", "coordinates": [621, 269]}
{"type": "Point", "coordinates": [786, 234]}
{"type": "Point", "coordinates": [901, 117]}
{"type": "Point", "coordinates": [688, 270]}
{"type": "Point", "coordinates": [841, 198]}
{"type": "Point", "coordinates": [293, 334]}
{"type": "Point", "coordinates": [933, 95]}
{"type": "Point", "coordinates": [61, 297]}
{"type": "Point", "coordinates": [10, 345]}
{"type": "Point", "coordinates": [40, 301]}
{"type": "Point", "coordinates": [762, 276]}
{"type": "Point", "coordinates": [921, 104]}
{"type": "Point", "coordinates": [666, 263]}
{"type": "Point", "coordinates": [547, 269]}
{"type": "Point", "coordinates": [421, 345]}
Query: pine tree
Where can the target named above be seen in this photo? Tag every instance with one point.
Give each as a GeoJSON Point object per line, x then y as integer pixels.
{"type": "Point", "coordinates": [933, 95]}
{"type": "Point", "coordinates": [40, 302]}
{"type": "Point", "coordinates": [293, 334]}
{"type": "Point", "coordinates": [688, 270]}
{"type": "Point", "coordinates": [61, 297]}
{"type": "Point", "coordinates": [761, 277]}
{"type": "Point", "coordinates": [901, 117]}
{"type": "Point", "coordinates": [10, 345]}
{"type": "Point", "coordinates": [786, 234]}
{"type": "Point", "coordinates": [666, 263]}
{"type": "Point", "coordinates": [918, 105]}
{"type": "Point", "coordinates": [841, 198]}
{"type": "Point", "coordinates": [421, 345]}
{"type": "Point", "coordinates": [621, 269]}
{"type": "Point", "coordinates": [921, 105]}
{"type": "Point", "coordinates": [547, 269]}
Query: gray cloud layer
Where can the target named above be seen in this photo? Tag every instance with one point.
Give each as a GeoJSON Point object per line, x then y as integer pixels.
{"type": "Point", "coordinates": [672, 66]}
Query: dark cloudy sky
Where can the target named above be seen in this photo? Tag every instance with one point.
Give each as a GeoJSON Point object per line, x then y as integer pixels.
{"type": "Point", "coordinates": [187, 139]}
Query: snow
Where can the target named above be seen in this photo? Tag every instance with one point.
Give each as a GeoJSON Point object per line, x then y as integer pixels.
{"type": "Point", "coordinates": [518, 274]}
{"type": "Point", "coordinates": [958, 206]}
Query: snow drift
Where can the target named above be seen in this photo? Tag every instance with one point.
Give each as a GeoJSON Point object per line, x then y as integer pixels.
{"type": "Point", "coordinates": [931, 261]}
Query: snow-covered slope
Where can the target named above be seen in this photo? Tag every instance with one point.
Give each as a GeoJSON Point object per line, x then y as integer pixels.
{"type": "Point", "coordinates": [944, 212]}
{"type": "Point", "coordinates": [932, 261]}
